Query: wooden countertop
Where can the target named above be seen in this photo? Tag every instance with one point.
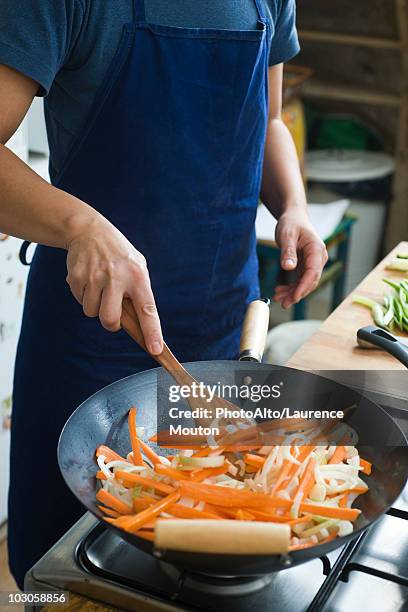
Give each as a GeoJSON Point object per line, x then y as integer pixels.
{"type": "Point", "coordinates": [333, 346]}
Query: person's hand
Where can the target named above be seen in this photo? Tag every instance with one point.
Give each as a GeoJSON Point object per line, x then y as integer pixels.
{"type": "Point", "coordinates": [301, 250]}
{"type": "Point", "coordinates": [103, 268]}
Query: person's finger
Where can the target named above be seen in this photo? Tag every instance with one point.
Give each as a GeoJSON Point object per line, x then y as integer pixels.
{"type": "Point", "coordinates": [145, 306]}
{"type": "Point", "coordinates": [91, 300]}
{"type": "Point", "coordinates": [76, 281]}
{"type": "Point", "coordinates": [110, 310]}
{"type": "Point", "coordinates": [313, 266]}
{"type": "Point", "coordinates": [288, 238]}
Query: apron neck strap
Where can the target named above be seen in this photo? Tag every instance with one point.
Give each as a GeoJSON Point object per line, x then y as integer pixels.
{"type": "Point", "coordinates": [261, 9]}
{"type": "Point", "coordinates": [139, 12]}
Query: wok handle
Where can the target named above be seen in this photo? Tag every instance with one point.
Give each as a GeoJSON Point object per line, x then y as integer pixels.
{"type": "Point", "coordinates": [385, 341]}
{"type": "Point", "coordinates": [254, 331]}
{"type": "Point", "coordinates": [130, 323]}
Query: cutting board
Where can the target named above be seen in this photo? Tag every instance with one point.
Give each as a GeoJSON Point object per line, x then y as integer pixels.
{"type": "Point", "coordinates": [334, 347]}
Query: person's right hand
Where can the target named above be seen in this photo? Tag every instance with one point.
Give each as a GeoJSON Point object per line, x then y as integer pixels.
{"type": "Point", "coordinates": [103, 268]}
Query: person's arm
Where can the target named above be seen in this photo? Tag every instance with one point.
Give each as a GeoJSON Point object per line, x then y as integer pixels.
{"type": "Point", "coordinates": [283, 194]}
{"type": "Point", "coordinates": [103, 267]}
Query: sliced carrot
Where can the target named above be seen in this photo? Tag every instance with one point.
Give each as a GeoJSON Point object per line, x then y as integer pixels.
{"type": "Point", "coordinates": [135, 522]}
{"type": "Point", "coordinates": [145, 534]}
{"type": "Point", "coordinates": [100, 475]}
{"type": "Point", "coordinates": [132, 479]}
{"type": "Point", "coordinates": [141, 503]}
{"type": "Point", "coordinates": [136, 454]}
{"type": "Point", "coordinates": [110, 500]}
{"type": "Point", "coordinates": [358, 490]}
{"type": "Point", "coordinates": [149, 452]}
{"type": "Point", "coordinates": [307, 480]}
{"type": "Point", "coordinates": [170, 472]}
{"type": "Point", "coordinates": [339, 455]}
{"type": "Point", "coordinates": [109, 454]}
{"type": "Point", "coordinates": [244, 515]}
{"type": "Point", "coordinates": [226, 496]}
{"type": "Point", "coordinates": [329, 538]}
{"type": "Point", "coordinates": [201, 475]}
{"type": "Point", "coordinates": [366, 465]}
{"type": "Point", "coordinates": [108, 511]}
{"type": "Point", "coordinates": [347, 514]}
{"type": "Point", "coordinates": [343, 501]}
{"type": "Point", "coordinates": [282, 476]}
{"type": "Point", "coordinates": [254, 460]}
{"type": "Point", "coordinates": [180, 511]}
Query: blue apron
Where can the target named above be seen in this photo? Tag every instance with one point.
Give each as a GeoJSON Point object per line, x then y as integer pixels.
{"type": "Point", "coordinates": [172, 155]}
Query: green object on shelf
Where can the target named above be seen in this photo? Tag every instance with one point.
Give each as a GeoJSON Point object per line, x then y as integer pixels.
{"type": "Point", "coordinates": [340, 131]}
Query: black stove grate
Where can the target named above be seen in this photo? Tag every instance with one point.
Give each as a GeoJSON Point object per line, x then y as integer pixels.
{"type": "Point", "coordinates": [335, 573]}
{"type": "Point", "coordinates": [344, 566]}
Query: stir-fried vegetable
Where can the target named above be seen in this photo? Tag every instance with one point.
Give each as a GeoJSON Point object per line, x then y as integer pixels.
{"type": "Point", "coordinates": [394, 310]}
{"type": "Point", "coordinates": [309, 489]}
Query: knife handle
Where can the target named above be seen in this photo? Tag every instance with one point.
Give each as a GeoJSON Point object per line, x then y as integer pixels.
{"type": "Point", "coordinates": [385, 341]}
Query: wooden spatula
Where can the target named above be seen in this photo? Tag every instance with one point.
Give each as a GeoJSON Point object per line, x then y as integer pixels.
{"type": "Point", "coordinates": [252, 346]}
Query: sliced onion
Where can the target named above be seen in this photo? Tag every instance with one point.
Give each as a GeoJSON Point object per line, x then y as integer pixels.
{"type": "Point", "coordinates": [202, 462]}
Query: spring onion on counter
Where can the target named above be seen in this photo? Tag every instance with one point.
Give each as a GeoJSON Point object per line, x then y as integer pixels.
{"type": "Point", "coordinates": [394, 309]}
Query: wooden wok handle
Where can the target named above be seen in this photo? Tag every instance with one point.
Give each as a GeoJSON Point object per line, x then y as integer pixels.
{"type": "Point", "coordinates": [130, 323]}
{"type": "Point", "coordinates": [223, 537]}
{"type": "Point", "coordinates": [254, 331]}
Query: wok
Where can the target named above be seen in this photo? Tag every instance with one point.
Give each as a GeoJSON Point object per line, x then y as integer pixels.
{"type": "Point", "coordinates": [102, 419]}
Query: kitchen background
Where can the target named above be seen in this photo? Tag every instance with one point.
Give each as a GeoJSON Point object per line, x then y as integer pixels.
{"type": "Point", "coordinates": [346, 104]}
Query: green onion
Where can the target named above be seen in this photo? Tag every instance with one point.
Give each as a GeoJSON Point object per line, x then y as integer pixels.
{"type": "Point", "coordinates": [363, 301]}
{"type": "Point", "coordinates": [397, 264]}
{"type": "Point", "coordinates": [402, 255]}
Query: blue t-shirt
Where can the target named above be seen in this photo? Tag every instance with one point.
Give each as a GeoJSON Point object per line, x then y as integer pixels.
{"type": "Point", "coordinates": [67, 46]}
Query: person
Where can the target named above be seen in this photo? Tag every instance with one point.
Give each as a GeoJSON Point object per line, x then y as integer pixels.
{"type": "Point", "coordinates": [164, 128]}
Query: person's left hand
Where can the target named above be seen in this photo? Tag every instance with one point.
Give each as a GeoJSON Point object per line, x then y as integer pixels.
{"type": "Point", "coordinates": [301, 250]}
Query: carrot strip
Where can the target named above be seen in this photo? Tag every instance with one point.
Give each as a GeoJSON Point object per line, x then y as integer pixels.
{"type": "Point", "coordinates": [225, 496]}
{"type": "Point", "coordinates": [100, 475]}
{"type": "Point", "coordinates": [254, 460]}
{"type": "Point", "coordinates": [307, 480]}
{"type": "Point", "coordinates": [135, 522]}
{"type": "Point", "coordinates": [145, 535]}
{"type": "Point", "coordinates": [329, 538]}
{"type": "Point", "coordinates": [209, 473]}
{"type": "Point", "coordinates": [110, 500]}
{"type": "Point", "coordinates": [358, 490]}
{"type": "Point", "coordinates": [136, 454]}
{"type": "Point", "coordinates": [170, 472]}
{"type": "Point", "coordinates": [141, 503]}
{"type": "Point", "coordinates": [108, 511]}
{"type": "Point", "coordinates": [366, 465]}
{"type": "Point", "coordinates": [282, 476]}
{"type": "Point", "coordinates": [109, 454]}
{"type": "Point", "coordinates": [231, 498]}
{"type": "Point", "coordinates": [149, 452]}
{"type": "Point", "coordinates": [244, 515]}
{"type": "Point", "coordinates": [133, 479]}
{"type": "Point", "coordinates": [338, 455]}
{"type": "Point", "coordinates": [343, 501]}
{"type": "Point", "coordinates": [347, 514]}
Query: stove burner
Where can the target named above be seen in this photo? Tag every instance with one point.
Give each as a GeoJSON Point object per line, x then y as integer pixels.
{"type": "Point", "coordinates": [225, 586]}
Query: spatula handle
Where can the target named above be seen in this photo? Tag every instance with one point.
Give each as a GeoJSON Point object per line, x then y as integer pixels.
{"type": "Point", "coordinates": [254, 331]}
{"type": "Point", "coordinates": [130, 323]}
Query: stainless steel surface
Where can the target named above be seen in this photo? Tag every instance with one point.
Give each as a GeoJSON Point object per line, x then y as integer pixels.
{"type": "Point", "coordinates": [386, 549]}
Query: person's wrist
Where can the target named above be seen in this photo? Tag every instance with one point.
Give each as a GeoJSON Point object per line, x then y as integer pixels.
{"type": "Point", "coordinates": [85, 220]}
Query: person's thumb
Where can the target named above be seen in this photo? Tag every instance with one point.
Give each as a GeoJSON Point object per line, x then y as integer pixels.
{"type": "Point", "coordinates": [288, 251]}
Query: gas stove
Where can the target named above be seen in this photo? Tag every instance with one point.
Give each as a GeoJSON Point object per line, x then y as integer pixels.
{"type": "Point", "coordinates": [369, 573]}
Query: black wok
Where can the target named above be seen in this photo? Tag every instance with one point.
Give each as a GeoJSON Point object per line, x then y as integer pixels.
{"type": "Point", "coordinates": [102, 419]}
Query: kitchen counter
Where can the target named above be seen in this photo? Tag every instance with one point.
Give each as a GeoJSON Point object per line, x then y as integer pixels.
{"type": "Point", "coordinates": [333, 346]}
